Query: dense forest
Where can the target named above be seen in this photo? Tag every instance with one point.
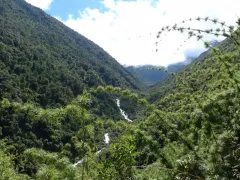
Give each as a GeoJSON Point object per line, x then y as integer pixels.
{"type": "Point", "coordinates": [45, 62]}
{"type": "Point", "coordinates": [58, 102]}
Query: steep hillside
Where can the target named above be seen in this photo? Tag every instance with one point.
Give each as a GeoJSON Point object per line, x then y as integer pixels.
{"type": "Point", "coordinates": [165, 87]}
{"type": "Point", "coordinates": [195, 123]}
{"type": "Point", "coordinates": [45, 62]}
{"type": "Point", "coordinates": [190, 129]}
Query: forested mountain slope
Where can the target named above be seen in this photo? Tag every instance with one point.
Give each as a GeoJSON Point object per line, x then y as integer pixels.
{"type": "Point", "coordinates": [45, 62]}
{"type": "Point", "coordinates": [165, 87]}
{"type": "Point", "coordinates": [195, 124]}
{"type": "Point", "coordinates": [189, 130]}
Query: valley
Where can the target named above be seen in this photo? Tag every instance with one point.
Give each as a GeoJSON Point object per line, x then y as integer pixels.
{"type": "Point", "coordinates": [68, 110]}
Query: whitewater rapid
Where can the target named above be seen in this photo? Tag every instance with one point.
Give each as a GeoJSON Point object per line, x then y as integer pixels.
{"type": "Point", "coordinates": [106, 140]}
{"type": "Point", "coordinates": [124, 114]}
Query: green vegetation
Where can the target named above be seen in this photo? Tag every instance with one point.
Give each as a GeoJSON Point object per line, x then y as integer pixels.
{"type": "Point", "coordinates": [45, 62]}
{"type": "Point", "coordinates": [56, 106]}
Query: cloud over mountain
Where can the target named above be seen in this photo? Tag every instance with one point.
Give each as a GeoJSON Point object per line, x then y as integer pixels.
{"type": "Point", "coordinates": [127, 29]}
{"type": "Point", "coordinates": [42, 4]}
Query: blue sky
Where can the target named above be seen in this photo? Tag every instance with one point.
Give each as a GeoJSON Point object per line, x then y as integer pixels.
{"type": "Point", "coordinates": [127, 29]}
{"type": "Point", "coordinates": [62, 8]}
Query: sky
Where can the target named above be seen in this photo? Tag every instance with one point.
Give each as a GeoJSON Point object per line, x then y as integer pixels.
{"type": "Point", "coordinates": [127, 29]}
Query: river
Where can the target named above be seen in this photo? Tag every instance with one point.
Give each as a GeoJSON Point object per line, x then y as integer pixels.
{"type": "Point", "coordinates": [124, 114]}
{"type": "Point", "coordinates": [106, 136]}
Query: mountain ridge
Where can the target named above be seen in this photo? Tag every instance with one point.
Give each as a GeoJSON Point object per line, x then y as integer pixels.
{"type": "Point", "coordinates": [151, 74]}
{"type": "Point", "coordinates": [187, 129]}
{"type": "Point", "coordinates": [40, 44]}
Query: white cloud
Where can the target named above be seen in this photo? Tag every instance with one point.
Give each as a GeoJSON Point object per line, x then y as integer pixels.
{"type": "Point", "coordinates": [127, 29]}
{"type": "Point", "coordinates": [58, 18]}
{"type": "Point", "coordinates": [43, 4]}
{"type": "Point", "coordinates": [109, 4]}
